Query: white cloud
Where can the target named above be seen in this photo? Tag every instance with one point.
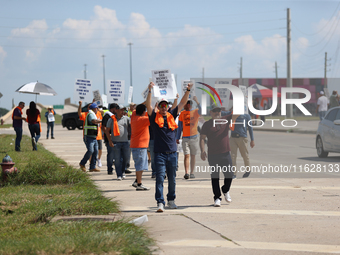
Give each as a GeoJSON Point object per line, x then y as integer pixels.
{"type": "Point", "coordinates": [36, 27]}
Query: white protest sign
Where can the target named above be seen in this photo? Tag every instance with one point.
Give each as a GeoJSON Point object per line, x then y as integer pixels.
{"type": "Point", "coordinates": [82, 91]}
{"type": "Point", "coordinates": [130, 94]}
{"type": "Point", "coordinates": [50, 117]}
{"type": "Point", "coordinates": [245, 94]}
{"type": "Point", "coordinates": [104, 99]}
{"type": "Point", "coordinates": [223, 92]}
{"type": "Point", "coordinates": [173, 91]}
{"type": "Point", "coordinates": [115, 92]}
{"type": "Point", "coordinates": [184, 88]}
{"type": "Point", "coordinates": [97, 98]}
{"type": "Point", "coordinates": [163, 83]}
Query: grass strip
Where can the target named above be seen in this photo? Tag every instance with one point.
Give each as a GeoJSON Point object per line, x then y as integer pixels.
{"type": "Point", "coordinates": [47, 187]}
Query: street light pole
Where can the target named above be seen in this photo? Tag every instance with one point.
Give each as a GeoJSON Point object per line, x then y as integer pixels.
{"type": "Point", "coordinates": [130, 44]}
{"type": "Point", "coordinates": [85, 71]}
{"type": "Point", "coordinates": [103, 56]}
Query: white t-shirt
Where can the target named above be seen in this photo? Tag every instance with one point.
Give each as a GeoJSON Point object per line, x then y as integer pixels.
{"type": "Point", "coordinates": [322, 103]}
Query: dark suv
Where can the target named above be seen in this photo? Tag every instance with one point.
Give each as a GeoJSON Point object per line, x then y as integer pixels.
{"type": "Point", "coordinates": [71, 120]}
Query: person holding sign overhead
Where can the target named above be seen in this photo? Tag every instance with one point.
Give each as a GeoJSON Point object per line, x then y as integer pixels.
{"type": "Point", "coordinates": [50, 121]}
{"type": "Point", "coordinates": [165, 148]}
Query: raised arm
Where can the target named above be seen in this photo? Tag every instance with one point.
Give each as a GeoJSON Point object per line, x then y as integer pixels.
{"type": "Point", "coordinates": [148, 99]}
{"type": "Point", "coordinates": [79, 108]}
{"type": "Point", "coordinates": [185, 97]}
{"type": "Point", "coordinates": [175, 102]}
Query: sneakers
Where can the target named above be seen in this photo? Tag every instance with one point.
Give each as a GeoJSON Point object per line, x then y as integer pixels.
{"type": "Point", "coordinates": [94, 170]}
{"type": "Point", "coordinates": [52, 137]}
{"type": "Point", "coordinates": [186, 176]}
{"type": "Point", "coordinates": [100, 163]}
{"type": "Point", "coordinates": [227, 197]}
{"type": "Point", "coordinates": [110, 173]}
{"type": "Point", "coordinates": [127, 171]}
{"type": "Point", "coordinates": [246, 174]}
{"type": "Point", "coordinates": [119, 178]}
{"type": "Point", "coordinates": [134, 184]}
{"type": "Point", "coordinates": [160, 207]}
{"type": "Point", "coordinates": [192, 176]}
{"type": "Point", "coordinates": [172, 204]}
{"type": "Point", "coordinates": [123, 177]}
{"type": "Point", "coordinates": [82, 167]}
{"type": "Point", "coordinates": [217, 202]}
{"type": "Point", "coordinates": [153, 176]}
{"type": "Point", "coordinates": [142, 187]}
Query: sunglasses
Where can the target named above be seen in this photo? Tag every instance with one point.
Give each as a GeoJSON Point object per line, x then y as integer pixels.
{"type": "Point", "coordinates": [163, 105]}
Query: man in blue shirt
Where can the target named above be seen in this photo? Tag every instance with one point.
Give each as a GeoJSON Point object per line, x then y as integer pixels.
{"type": "Point", "coordinates": [239, 140]}
{"type": "Point", "coordinates": [165, 148]}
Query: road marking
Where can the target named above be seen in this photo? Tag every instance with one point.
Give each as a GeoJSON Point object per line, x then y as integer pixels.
{"type": "Point", "coordinates": [211, 209]}
{"type": "Point", "coordinates": [320, 248]}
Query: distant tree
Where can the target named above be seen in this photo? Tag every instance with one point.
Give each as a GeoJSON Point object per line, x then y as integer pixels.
{"type": "Point", "coordinates": [3, 111]}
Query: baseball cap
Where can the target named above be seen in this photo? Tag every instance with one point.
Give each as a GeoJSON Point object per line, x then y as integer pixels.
{"type": "Point", "coordinates": [321, 92]}
{"type": "Point", "coordinates": [214, 106]}
{"type": "Point", "coordinates": [189, 102]}
{"type": "Point", "coordinates": [121, 106]}
{"type": "Point", "coordinates": [93, 106]}
{"type": "Point", "coordinates": [163, 100]}
{"type": "Point", "coordinates": [114, 105]}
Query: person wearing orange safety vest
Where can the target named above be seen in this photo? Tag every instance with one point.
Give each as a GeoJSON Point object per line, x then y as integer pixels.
{"type": "Point", "coordinates": [34, 123]}
{"type": "Point", "coordinates": [17, 124]}
{"type": "Point", "coordinates": [50, 121]}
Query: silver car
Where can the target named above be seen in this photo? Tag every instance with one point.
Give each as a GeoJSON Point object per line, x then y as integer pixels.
{"type": "Point", "coordinates": [328, 134]}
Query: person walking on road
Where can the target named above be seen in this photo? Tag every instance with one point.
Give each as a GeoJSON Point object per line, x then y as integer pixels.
{"type": "Point", "coordinates": [17, 124]}
{"type": "Point", "coordinates": [164, 127]}
{"type": "Point", "coordinates": [139, 143]}
{"type": "Point", "coordinates": [50, 119]}
{"type": "Point", "coordinates": [34, 123]}
{"type": "Point", "coordinates": [187, 121]}
{"type": "Point", "coordinates": [110, 155]}
{"type": "Point", "coordinates": [334, 99]}
{"type": "Point", "coordinates": [322, 105]}
{"type": "Point", "coordinates": [90, 139]}
{"type": "Point", "coordinates": [120, 143]}
{"type": "Point", "coordinates": [239, 140]}
{"type": "Point", "coordinates": [216, 131]}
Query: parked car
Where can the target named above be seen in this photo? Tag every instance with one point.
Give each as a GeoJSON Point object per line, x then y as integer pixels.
{"type": "Point", "coordinates": [328, 134]}
{"type": "Point", "coordinates": [71, 120]}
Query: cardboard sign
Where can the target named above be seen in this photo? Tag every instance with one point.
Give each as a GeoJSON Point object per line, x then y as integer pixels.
{"type": "Point", "coordinates": [130, 94]}
{"type": "Point", "coordinates": [97, 98]}
{"type": "Point", "coordinates": [82, 91]}
{"type": "Point", "coordinates": [115, 92]}
{"type": "Point", "coordinates": [184, 88]}
{"type": "Point", "coordinates": [50, 117]}
{"type": "Point", "coordinates": [223, 92]}
{"type": "Point", "coordinates": [163, 83]}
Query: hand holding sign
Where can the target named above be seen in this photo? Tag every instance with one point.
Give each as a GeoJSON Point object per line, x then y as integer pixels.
{"type": "Point", "coordinates": [151, 84]}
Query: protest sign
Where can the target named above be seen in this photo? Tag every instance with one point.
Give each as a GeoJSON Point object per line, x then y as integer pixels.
{"type": "Point", "coordinates": [163, 83]}
{"type": "Point", "coordinates": [97, 98]}
{"type": "Point", "coordinates": [82, 91]}
{"type": "Point", "coordinates": [115, 92]}
{"type": "Point", "coordinates": [130, 94]}
{"type": "Point", "coordinates": [184, 88]}
{"type": "Point", "coordinates": [223, 92]}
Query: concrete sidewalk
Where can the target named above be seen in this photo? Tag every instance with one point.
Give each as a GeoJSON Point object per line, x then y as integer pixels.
{"type": "Point", "coordinates": [267, 216]}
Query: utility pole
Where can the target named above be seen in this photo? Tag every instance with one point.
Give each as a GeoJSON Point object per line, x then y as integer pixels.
{"type": "Point", "coordinates": [326, 65]}
{"type": "Point", "coordinates": [203, 74]}
{"type": "Point", "coordinates": [85, 71]}
{"type": "Point", "coordinates": [289, 66]}
{"type": "Point", "coordinates": [130, 44]}
{"type": "Point", "coordinates": [241, 80]}
{"type": "Point", "coordinates": [103, 56]}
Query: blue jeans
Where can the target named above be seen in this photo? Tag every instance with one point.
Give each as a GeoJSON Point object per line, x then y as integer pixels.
{"type": "Point", "coordinates": [92, 149]}
{"type": "Point", "coordinates": [50, 125]}
{"type": "Point", "coordinates": [165, 164]}
{"type": "Point", "coordinates": [322, 115]}
{"type": "Point", "coordinates": [18, 131]}
{"type": "Point", "coordinates": [121, 151]}
{"type": "Point", "coordinates": [109, 157]}
{"type": "Point", "coordinates": [35, 132]}
{"type": "Point", "coordinates": [152, 155]}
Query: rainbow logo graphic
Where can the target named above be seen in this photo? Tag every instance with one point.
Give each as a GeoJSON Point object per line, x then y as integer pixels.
{"type": "Point", "coordinates": [208, 92]}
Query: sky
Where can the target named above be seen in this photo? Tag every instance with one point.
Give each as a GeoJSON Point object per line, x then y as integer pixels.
{"type": "Point", "coordinates": [51, 41]}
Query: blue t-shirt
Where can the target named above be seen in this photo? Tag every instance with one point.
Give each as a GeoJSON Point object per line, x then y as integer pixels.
{"type": "Point", "coordinates": [164, 138]}
{"type": "Point", "coordinates": [241, 126]}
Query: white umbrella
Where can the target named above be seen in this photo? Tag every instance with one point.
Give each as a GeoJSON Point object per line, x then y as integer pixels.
{"type": "Point", "coordinates": [37, 88]}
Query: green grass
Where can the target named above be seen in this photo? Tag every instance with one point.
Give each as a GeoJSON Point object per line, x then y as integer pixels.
{"type": "Point", "coordinates": [6, 126]}
{"type": "Point", "coordinates": [46, 187]}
